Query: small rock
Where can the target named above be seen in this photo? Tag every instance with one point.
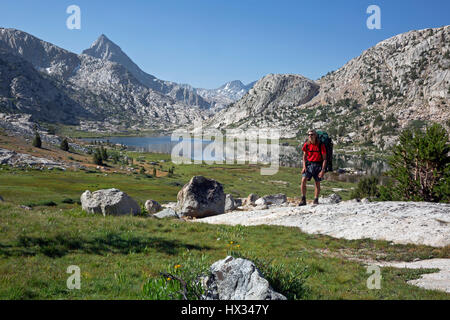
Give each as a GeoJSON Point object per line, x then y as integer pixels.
{"type": "Point", "coordinates": [260, 202]}
{"type": "Point", "coordinates": [230, 204]}
{"type": "Point", "coordinates": [25, 207]}
{"type": "Point", "coordinates": [166, 213]}
{"type": "Point", "coordinates": [331, 199]}
{"type": "Point", "coordinates": [275, 199]}
{"type": "Point", "coordinates": [152, 206]}
{"type": "Point", "coordinates": [238, 279]}
{"type": "Point", "coordinates": [250, 200]}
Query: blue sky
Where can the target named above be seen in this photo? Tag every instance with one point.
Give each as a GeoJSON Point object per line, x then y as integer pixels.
{"type": "Point", "coordinates": [208, 42]}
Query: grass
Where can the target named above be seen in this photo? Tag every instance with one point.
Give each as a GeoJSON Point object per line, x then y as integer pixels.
{"type": "Point", "coordinates": [122, 257]}
{"type": "Point", "coordinates": [38, 187]}
{"type": "Point", "coordinates": [119, 255]}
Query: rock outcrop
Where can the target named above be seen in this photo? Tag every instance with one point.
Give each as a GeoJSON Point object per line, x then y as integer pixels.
{"type": "Point", "coordinates": [238, 279]}
{"type": "Point", "coordinates": [201, 197]}
{"type": "Point", "coordinates": [420, 223]}
{"type": "Point", "coordinates": [16, 159]}
{"type": "Point", "coordinates": [109, 202]}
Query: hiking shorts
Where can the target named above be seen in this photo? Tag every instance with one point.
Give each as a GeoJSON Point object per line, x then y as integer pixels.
{"type": "Point", "coordinates": [312, 171]}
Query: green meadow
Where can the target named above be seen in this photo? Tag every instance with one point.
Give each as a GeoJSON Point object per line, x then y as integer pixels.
{"type": "Point", "coordinates": [119, 256]}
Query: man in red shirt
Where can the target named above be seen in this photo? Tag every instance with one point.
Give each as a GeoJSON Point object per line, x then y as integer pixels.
{"type": "Point", "coordinates": [314, 164]}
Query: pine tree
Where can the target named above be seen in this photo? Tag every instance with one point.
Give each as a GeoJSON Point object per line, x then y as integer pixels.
{"type": "Point", "coordinates": [421, 166]}
{"type": "Point", "coordinates": [37, 142]}
{"type": "Point", "coordinates": [104, 154]}
{"type": "Point", "coordinates": [64, 145]}
{"type": "Point", "coordinates": [97, 157]}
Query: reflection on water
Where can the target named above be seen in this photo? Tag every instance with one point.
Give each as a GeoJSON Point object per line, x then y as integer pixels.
{"type": "Point", "coordinates": [162, 144]}
{"type": "Point", "coordinates": [367, 165]}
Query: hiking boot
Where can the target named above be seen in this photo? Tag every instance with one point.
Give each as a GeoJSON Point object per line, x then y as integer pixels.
{"type": "Point", "coordinates": [316, 201]}
{"type": "Point", "coordinates": [303, 202]}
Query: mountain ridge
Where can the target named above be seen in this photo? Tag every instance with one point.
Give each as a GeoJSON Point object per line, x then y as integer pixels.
{"type": "Point", "coordinates": [402, 81]}
{"type": "Point", "coordinates": [103, 88]}
{"type": "Point", "coordinates": [105, 49]}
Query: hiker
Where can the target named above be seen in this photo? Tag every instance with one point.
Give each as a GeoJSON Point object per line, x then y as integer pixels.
{"type": "Point", "coordinates": [314, 164]}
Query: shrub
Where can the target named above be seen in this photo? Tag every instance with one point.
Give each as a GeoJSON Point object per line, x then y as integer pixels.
{"type": "Point", "coordinates": [421, 165]}
{"type": "Point", "coordinates": [37, 142]}
{"type": "Point", "coordinates": [48, 204]}
{"type": "Point", "coordinates": [64, 145]}
{"type": "Point", "coordinates": [367, 188]}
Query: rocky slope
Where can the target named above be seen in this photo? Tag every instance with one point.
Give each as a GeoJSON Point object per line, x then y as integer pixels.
{"type": "Point", "coordinates": [402, 81]}
{"type": "Point", "coordinates": [25, 90]}
{"type": "Point", "coordinates": [273, 97]}
{"type": "Point", "coordinates": [105, 90]}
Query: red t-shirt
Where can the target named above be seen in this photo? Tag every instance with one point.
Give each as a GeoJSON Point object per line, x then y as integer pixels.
{"type": "Point", "coordinates": [312, 152]}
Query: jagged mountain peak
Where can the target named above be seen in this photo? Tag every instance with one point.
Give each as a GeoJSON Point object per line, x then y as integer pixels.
{"type": "Point", "coordinates": [105, 49]}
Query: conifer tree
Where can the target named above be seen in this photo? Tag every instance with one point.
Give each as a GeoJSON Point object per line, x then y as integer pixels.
{"type": "Point", "coordinates": [64, 145]}
{"type": "Point", "coordinates": [420, 166]}
{"type": "Point", "coordinates": [97, 157]}
{"type": "Point", "coordinates": [37, 142]}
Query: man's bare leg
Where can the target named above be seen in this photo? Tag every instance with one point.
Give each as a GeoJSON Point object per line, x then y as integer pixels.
{"type": "Point", "coordinates": [317, 190]}
{"type": "Point", "coordinates": [304, 180]}
{"type": "Point", "coordinates": [303, 187]}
